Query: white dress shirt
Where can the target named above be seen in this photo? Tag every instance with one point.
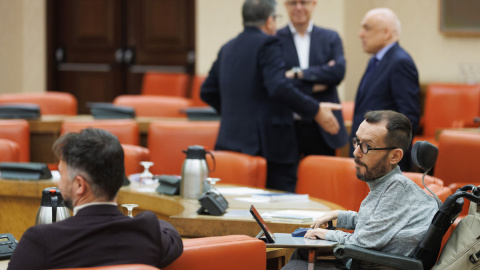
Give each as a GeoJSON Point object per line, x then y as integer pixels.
{"type": "Point", "coordinates": [302, 44]}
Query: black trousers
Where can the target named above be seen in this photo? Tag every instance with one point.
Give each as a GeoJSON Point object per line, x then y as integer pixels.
{"type": "Point", "coordinates": [281, 176]}
{"type": "Point", "coordinates": [310, 140]}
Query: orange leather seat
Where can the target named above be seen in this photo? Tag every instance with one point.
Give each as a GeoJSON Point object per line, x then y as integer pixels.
{"type": "Point", "coordinates": [160, 106]}
{"type": "Point", "coordinates": [126, 130]}
{"type": "Point", "coordinates": [134, 154]}
{"type": "Point", "coordinates": [238, 168]}
{"type": "Point", "coordinates": [232, 252]}
{"type": "Point", "coordinates": [433, 183]}
{"type": "Point", "coordinates": [10, 152]}
{"type": "Point", "coordinates": [195, 94]}
{"type": "Point", "coordinates": [18, 131]}
{"type": "Point", "coordinates": [458, 160]}
{"type": "Point", "coordinates": [347, 110]}
{"type": "Point", "coordinates": [117, 267]}
{"type": "Point", "coordinates": [165, 84]}
{"type": "Point", "coordinates": [458, 157]}
{"type": "Point", "coordinates": [50, 102]}
{"type": "Point", "coordinates": [448, 106]}
{"type": "Point", "coordinates": [167, 140]}
{"type": "Point", "coordinates": [332, 179]}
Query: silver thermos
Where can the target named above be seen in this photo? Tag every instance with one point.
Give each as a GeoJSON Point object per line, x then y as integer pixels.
{"type": "Point", "coordinates": [52, 208]}
{"type": "Point", "coordinates": [194, 172]}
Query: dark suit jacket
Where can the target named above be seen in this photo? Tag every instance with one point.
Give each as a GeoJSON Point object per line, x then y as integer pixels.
{"type": "Point", "coordinates": [98, 235]}
{"type": "Point", "coordinates": [392, 86]}
{"type": "Point", "coordinates": [247, 86]}
{"type": "Point", "coordinates": [325, 45]}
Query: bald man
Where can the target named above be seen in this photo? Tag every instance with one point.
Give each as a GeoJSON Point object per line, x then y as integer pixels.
{"type": "Point", "coordinates": [390, 81]}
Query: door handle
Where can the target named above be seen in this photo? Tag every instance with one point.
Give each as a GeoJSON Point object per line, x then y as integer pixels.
{"type": "Point", "coordinates": [60, 55]}
{"type": "Point", "coordinates": [119, 54]}
{"type": "Point", "coordinates": [125, 56]}
{"type": "Point", "coordinates": [129, 56]}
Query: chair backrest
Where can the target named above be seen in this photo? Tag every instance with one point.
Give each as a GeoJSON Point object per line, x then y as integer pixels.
{"type": "Point", "coordinates": [50, 102]}
{"type": "Point", "coordinates": [10, 152]}
{"type": "Point", "coordinates": [116, 267]}
{"type": "Point", "coordinates": [347, 110]}
{"type": "Point", "coordinates": [434, 184]}
{"type": "Point", "coordinates": [458, 157]}
{"type": "Point", "coordinates": [134, 154]}
{"type": "Point", "coordinates": [233, 252]}
{"type": "Point", "coordinates": [17, 130]}
{"type": "Point", "coordinates": [165, 84]}
{"type": "Point", "coordinates": [238, 168]}
{"type": "Point", "coordinates": [450, 105]}
{"type": "Point", "coordinates": [126, 130]}
{"type": "Point", "coordinates": [160, 106]}
{"type": "Point", "coordinates": [195, 94]}
{"type": "Point", "coordinates": [167, 140]}
{"type": "Point", "coordinates": [332, 179]}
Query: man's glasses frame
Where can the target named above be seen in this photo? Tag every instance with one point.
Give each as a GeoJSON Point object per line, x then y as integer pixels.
{"type": "Point", "coordinates": [303, 3]}
{"type": "Point", "coordinates": [364, 147]}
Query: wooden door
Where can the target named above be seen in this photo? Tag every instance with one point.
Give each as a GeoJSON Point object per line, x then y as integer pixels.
{"type": "Point", "coordinates": [161, 35]}
{"type": "Point", "coordinates": [99, 49]}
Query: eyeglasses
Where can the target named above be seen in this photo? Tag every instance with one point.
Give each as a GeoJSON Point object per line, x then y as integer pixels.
{"type": "Point", "coordinates": [364, 147]}
{"type": "Point", "coordinates": [294, 3]}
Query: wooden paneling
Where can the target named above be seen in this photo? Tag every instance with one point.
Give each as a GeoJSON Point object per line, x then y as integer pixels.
{"type": "Point", "coordinates": [99, 49]}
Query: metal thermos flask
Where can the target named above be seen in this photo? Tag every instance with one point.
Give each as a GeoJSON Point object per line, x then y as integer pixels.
{"type": "Point", "coordinates": [194, 172]}
{"type": "Point", "coordinates": [52, 207]}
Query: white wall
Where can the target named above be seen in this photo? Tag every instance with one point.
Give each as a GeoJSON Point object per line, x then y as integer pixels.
{"type": "Point", "coordinates": [22, 43]}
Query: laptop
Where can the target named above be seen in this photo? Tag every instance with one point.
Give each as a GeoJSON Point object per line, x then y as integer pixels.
{"type": "Point", "coordinates": [286, 239]}
{"type": "Point", "coordinates": [269, 236]}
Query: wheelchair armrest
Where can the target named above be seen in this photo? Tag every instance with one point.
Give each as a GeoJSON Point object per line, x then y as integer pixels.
{"type": "Point", "coordinates": [362, 254]}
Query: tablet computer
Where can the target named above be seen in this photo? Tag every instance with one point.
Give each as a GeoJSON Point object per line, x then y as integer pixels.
{"type": "Point", "coordinates": [269, 236]}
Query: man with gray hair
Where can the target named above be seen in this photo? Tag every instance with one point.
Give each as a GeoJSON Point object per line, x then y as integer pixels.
{"type": "Point", "coordinates": [390, 81]}
{"type": "Point", "coordinates": [248, 88]}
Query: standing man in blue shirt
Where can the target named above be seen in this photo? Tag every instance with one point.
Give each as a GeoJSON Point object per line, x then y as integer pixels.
{"type": "Point", "coordinates": [315, 62]}
{"type": "Point", "coordinates": [247, 86]}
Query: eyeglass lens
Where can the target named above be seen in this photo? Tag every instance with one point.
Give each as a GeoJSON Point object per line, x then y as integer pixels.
{"type": "Point", "coordinates": [294, 3]}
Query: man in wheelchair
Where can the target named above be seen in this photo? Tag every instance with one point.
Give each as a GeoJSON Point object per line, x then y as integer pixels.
{"type": "Point", "coordinates": [396, 213]}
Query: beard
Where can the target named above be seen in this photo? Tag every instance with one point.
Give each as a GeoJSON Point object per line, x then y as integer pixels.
{"type": "Point", "coordinates": [378, 170]}
{"type": "Point", "coordinates": [68, 203]}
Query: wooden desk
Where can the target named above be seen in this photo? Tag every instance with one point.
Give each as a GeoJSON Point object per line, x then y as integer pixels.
{"type": "Point", "coordinates": [20, 200]}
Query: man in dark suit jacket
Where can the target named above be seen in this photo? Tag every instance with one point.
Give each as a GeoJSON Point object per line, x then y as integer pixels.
{"type": "Point", "coordinates": [314, 57]}
{"type": "Point", "coordinates": [92, 171]}
{"type": "Point", "coordinates": [391, 79]}
{"type": "Point", "coordinates": [247, 86]}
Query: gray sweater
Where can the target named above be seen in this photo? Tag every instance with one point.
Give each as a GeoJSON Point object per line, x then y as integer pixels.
{"type": "Point", "coordinates": [392, 218]}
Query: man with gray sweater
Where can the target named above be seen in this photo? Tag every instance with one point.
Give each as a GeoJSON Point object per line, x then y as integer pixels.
{"type": "Point", "coordinates": [396, 213]}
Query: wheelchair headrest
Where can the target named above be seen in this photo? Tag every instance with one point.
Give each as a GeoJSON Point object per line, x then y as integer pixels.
{"type": "Point", "coordinates": [424, 155]}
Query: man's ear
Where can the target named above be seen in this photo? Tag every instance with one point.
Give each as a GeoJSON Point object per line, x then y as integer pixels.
{"type": "Point", "coordinates": [396, 155]}
{"type": "Point", "coordinates": [81, 185]}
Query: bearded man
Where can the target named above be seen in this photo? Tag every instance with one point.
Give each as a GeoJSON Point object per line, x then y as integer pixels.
{"type": "Point", "coordinates": [396, 213]}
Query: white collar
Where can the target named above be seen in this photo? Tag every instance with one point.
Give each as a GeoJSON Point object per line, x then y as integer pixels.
{"type": "Point", "coordinates": [294, 31]}
{"type": "Point", "coordinates": [77, 208]}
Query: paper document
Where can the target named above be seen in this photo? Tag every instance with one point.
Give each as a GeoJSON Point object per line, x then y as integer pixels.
{"type": "Point", "coordinates": [300, 216]}
{"type": "Point", "coordinates": [240, 191]}
{"type": "Point", "coordinates": [282, 197]}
